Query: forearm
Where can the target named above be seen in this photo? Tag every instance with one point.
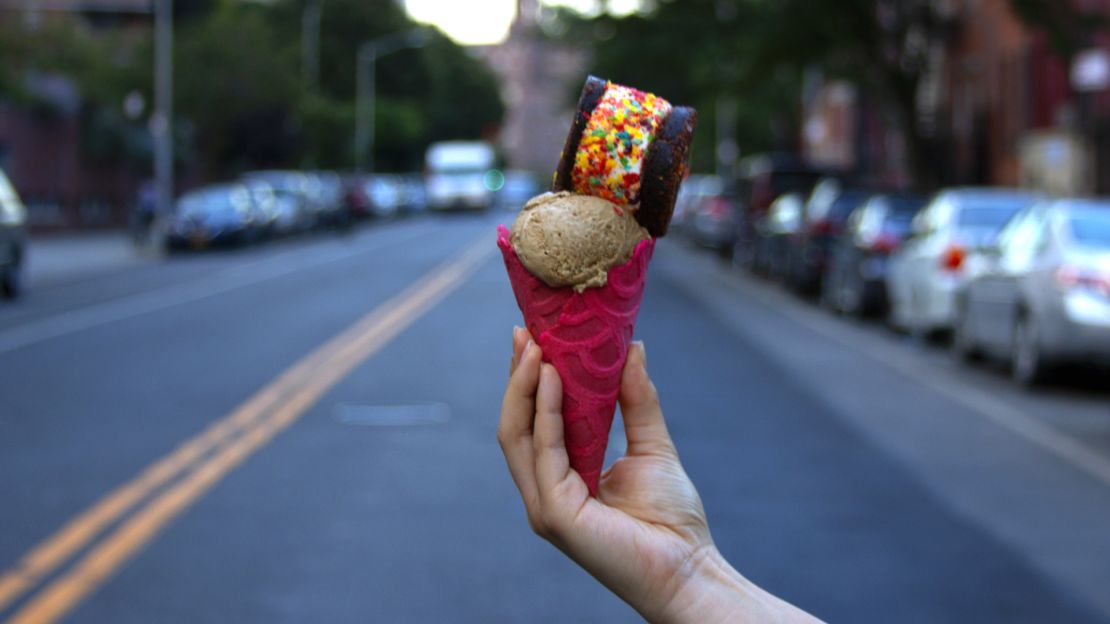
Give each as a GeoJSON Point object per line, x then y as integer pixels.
{"type": "Point", "coordinates": [715, 592]}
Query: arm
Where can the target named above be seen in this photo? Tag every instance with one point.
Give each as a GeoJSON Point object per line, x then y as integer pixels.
{"type": "Point", "coordinates": [645, 537]}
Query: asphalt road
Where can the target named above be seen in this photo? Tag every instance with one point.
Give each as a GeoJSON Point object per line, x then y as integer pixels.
{"type": "Point", "coordinates": [304, 432]}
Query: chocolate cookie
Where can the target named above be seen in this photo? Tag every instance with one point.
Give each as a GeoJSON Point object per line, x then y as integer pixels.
{"type": "Point", "coordinates": [587, 102]}
{"type": "Point", "coordinates": [628, 147]}
{"type": "Point", "coordinates": [664, 169]}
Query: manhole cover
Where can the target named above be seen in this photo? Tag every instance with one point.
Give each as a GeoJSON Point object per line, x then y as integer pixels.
{"type": "Point", "coordinates": [398, 415]}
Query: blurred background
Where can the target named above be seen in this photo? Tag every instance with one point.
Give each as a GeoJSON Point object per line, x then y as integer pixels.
{"type": "Point", "coordinates": [880, 323]}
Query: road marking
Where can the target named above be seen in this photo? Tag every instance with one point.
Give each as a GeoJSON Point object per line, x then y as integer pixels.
{"type": "Point", "coordinates": [1001, 414]}
{"type": "Point", "coordinates": [228, 442]}
{"type": "Point", "coordinates": [130, 306]}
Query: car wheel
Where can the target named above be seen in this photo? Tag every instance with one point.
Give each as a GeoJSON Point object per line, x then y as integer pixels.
{"type": "Point", "coordinates": [964, 346]}
{"type": "Point", "coordinates": [1028, 365]}
{"type": "Point", "coordinates": [10, 283]}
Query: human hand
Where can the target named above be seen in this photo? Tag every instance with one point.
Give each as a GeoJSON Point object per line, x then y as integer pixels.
{"type": "Point", "coordinates": [645, 536]}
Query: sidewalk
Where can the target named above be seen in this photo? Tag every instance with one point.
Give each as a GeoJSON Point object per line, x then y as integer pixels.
{"type": "Point", "coordinates": [52, 259]}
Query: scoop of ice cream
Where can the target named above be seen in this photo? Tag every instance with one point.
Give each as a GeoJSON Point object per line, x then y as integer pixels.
{"type": "Point", "coordinates": [567, 239]}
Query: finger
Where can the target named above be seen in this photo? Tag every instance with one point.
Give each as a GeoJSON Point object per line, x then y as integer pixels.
{"type": "Point", "coordinates": [644, 427]}
{"type": "Point", "coordinates": [552, 461]}
{"type": "Point", "coordinates": [514, 431]}
{"type": "Point", "coordinates": [520, 338]}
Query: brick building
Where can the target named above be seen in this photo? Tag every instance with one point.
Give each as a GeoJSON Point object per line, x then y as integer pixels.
{"type": "Point", "coordinates": [41, 145]}
{"type": "Point", "coordinates": [997, 102]}
{"type": "Point", "coordinates": [538, 79]}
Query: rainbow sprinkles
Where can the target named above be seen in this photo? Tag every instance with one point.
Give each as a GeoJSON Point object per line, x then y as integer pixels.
{"type": "Point", "coordinates": [614, 144]}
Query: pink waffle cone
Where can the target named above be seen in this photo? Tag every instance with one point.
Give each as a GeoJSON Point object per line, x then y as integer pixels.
{"type": "Point", "coordinates": [586, 337]}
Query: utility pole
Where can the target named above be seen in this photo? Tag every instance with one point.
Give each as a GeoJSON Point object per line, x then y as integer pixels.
{"type": "Point", "coordinates": [161, 122]}
{"type": "Point", "coordinates": [365, 71]}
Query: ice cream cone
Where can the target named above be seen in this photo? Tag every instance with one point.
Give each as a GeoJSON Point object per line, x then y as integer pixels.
{"type": "Point", "coordinates": [586, 337]}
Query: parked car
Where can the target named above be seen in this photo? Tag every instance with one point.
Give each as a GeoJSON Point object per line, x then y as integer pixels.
{"type": "Point", "coordinates": [856, 279]}
{"type": "Point", "coordinates": [762, 179]}
{"type": "Point", "coordinates": [414, 194]}
{"type": "Point", "coordinates": [774, 233]}
{"type": "Point", "coordinates": [264, 208]}
{"type": "Point", "coordinates": [298, 210]}
{"type": "Point", "coordinates": [211, 216]}
{"type": "Point", "coordinates": [712, 216]}
{"type": "Point", "coordinates": [823, 219]}
{"type": "Point", "coordinates": [455, 175]}
{"type": "Point", "coordinates": [356, 197]}
{"type": "Point", "coordinates": [689, 193]}
{"type": "Point", "coordinates": [1041, 296]}
{"type": "Point", "coordinates": [925, 273]}
{"type": "Point", "coordinates": [386, 195]}
{"type": "Point", "coordinates": [330, 196]}
{"type": "Point", "coordinates": [13, 239]}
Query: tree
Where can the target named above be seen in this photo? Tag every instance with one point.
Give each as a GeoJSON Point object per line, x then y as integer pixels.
{"type": "Point", "coordinates": [700, 53]}
{"type": "Point", "coordinates": [433, 93]}
{"type": "Point", "coordinates": [698, 50]}
{"type": "Point", "coordinates": [236, 83]}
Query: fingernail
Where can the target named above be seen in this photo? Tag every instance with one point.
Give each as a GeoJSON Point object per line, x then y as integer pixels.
{"type": "Point", "coordinates": [643, 351]}
{"type": "Point", "coordinates": [528, 348]}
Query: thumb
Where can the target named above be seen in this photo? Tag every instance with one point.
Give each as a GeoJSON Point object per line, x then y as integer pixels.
{"type": "Point", "coordinates": [643, 417]}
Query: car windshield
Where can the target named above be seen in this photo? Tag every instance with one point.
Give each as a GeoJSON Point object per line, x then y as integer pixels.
{"type": "Point", "coordinates": [207, 203]}
{"type": "Point", "coordinates": [1091, 227]}
{"type": "Point", "coordinates": [845, 203]}
{"type": "Point", "coordinates": [987, 215]}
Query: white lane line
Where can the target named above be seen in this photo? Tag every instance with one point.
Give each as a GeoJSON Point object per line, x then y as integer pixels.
{"type": "Point", "coordinates": [131, 306]}
{"type": "Point", "coordinates": [1001, 414]}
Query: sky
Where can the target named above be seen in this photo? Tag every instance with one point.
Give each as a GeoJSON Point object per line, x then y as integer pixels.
{"type": "Point", "coordinates": [485, 22]}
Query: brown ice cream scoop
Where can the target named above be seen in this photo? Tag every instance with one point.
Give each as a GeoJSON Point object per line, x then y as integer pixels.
{"type": "Point", "coordinates": [567, 239]}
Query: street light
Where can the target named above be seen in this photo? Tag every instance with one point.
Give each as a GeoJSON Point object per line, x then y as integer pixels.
{"type": "Point", "coordinates": [368, 54]}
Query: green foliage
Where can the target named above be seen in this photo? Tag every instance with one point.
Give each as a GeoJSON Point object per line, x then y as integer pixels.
{"type": "Point", "coordinates": [231, 73]}
{"type": "Point", "coordinates": [239, 96]}
{"type": "Point", "coordinates": [701, 53]}
{"type": "Point", "coordinates": [103, 67]}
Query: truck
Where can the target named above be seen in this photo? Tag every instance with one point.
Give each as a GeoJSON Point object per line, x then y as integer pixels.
{"type": "Point", "coordinates": [460, 175]}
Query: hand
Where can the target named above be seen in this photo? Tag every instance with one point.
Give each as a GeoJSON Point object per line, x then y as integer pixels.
{"type": "Point", "coordinates": [645, 536]}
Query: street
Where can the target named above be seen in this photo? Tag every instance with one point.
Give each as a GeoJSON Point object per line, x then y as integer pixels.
{"type": "Point", "coordinates": [305, 432]}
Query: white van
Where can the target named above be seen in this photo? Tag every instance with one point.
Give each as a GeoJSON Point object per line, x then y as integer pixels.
{"type": "Point", "coordinates": [460, 175]}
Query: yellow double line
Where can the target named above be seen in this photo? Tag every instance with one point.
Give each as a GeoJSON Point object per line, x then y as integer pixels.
{"type": "Point", "coordinates": [199, 463]}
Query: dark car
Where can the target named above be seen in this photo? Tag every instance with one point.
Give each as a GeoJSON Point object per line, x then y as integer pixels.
{"type": "Point", "coordinates": [212, 215]}
{"type": "Point", "coordinates": [297, 199]}
{"type": "Point", "coordinates": [762, 179]}
{"type": "Point", "coordinates": [13, 222]}
{"type": "Point", "coordinates": [856, 280]}
{"type": "Point", "coordinates": [823, 219]}
{"type": "Point", "coordinates": [774, 234]}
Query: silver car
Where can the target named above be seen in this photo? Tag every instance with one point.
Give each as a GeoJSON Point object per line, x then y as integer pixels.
{"type": "Point", "coordinates": [13, 223]}
{"type": "Point", "coordinates": [1041, 296]}
{"type": "Point", "coordinates": [925, 273]}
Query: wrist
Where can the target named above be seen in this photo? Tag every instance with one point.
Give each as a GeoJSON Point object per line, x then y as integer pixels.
{"type": "Point", "coordinates": [711, 590]}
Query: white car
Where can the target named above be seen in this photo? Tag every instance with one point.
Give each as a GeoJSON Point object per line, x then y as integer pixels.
{"type": "Point", "coordinates": [13, 222]}
{"type": "Point", "coordinates": [1042, 296]}
{"type": "Point", "coordinates": [928, 270]}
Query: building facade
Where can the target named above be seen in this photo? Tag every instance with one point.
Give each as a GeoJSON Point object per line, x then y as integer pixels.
{"type": "Point", "coordinates": [538, 80]}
